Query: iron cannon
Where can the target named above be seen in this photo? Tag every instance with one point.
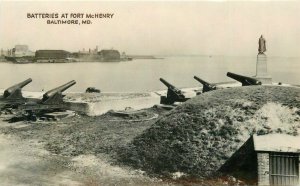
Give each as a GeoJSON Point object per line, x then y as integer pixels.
{"type": "Point", "coordinates": [246, 81]}
{"type": "Point", "coordinates": [12, 97]}
{"type": "Point", "coordinates": [47, 108]}
{"type": "Point", "coordinates": [52, 100]}
{"type": "Point", "coordinates": [173, 94]}
{"type": "Point", "coordinates": [55, 96]}
{"type": "Point", "coordinates": [15, 92]}
{"type": "Point", "coordinates": [206, 86]}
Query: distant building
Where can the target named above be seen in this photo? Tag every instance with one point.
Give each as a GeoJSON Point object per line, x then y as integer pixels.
{"type": "Point", "coordinates": [101, 56]}
{"type": "Point", "coordinates": [90, 51]}
{"type": "Point", "coordinates": [110, 55]}
{"type": "Point", "coordinates": [21, 51]}
{"type": "Point", "coordinates": [271, 159]}
{"type": "Point", "coordinates": [21, 48]}
{"type": "Point", "coordinates": [51, 54]}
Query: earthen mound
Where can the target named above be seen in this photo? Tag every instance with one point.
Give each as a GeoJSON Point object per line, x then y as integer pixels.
{"type": "Point", "coordinates": [197, 137]}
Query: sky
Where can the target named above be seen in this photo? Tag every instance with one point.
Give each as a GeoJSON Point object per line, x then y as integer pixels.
{"type": "Point", "coordinates": [158, 28]}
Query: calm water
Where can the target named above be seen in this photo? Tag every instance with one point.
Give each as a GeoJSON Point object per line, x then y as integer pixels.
{"type": "Point", "coordinates": [143, 75]}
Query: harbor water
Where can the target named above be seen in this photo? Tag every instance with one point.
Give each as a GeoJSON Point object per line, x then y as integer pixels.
{"type": "Point", "coordinates": [142, 75]}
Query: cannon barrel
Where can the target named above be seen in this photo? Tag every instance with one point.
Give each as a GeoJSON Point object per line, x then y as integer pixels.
{"type": "Point", "coordinates": [60, 89]}
{"type": "Point", "coordinates": [246, 81]}
{"type": "Point", "coordinates": [12, 89]}
{"type": "Point", "coordinates": [167, 83]}
{"type": "Point", "coordinates": [202, 81]}
{"type": "Point", "coordinates": [206, 86]}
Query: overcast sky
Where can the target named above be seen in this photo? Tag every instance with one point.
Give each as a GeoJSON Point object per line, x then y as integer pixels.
{"type": "Point", "coordinates": [163, 28]}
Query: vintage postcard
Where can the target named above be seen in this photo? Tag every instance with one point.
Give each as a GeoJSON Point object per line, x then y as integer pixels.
{"type": "Point", "coordinates": [149, 93]}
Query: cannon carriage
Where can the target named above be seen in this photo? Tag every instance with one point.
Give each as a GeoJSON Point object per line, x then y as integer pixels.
{"type": "Point", "coordinates": [173, 94]}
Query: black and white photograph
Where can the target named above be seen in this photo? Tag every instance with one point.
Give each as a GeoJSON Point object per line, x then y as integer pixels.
{"type": "Point", "coordinates": [149, 93]}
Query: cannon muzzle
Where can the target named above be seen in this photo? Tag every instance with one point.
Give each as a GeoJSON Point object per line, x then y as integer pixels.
{"type": "Point", "coordinates": [58, 90]}
{"type": "Point", "coordinates": [15, 91]}
{"type": "Point", "coordinates": [246, 81]}
{"type": "Point", "coordinates": [206, 86]}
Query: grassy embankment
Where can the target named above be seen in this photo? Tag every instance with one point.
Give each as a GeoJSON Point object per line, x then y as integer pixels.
{"type": "Point", "coordinates": [197, 137]}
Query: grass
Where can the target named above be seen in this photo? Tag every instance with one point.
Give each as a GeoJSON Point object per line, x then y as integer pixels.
{"type": "Point", "coordinates": [197, 137]}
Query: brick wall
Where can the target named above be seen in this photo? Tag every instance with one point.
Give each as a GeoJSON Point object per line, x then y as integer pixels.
{"type": "Point", "coordinates": [263, 168]}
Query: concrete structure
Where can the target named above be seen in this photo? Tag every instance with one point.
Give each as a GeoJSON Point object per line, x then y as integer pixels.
{"type": "Point", "coordinates": [262, 69]}
{"type": "Point", "coordinates": [100, 103]}
{"type": "Point", "coordinates": [261, 65]}
{"type": "Point", "coordinates": [271, 159]}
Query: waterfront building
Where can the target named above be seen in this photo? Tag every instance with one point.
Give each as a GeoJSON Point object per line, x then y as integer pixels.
{"type": "Point", "coordinates": [51, 54]}
{"type": "Point", "coordinates": [21, 51]}
{"type": "Point", "coordinates": [110, 55]}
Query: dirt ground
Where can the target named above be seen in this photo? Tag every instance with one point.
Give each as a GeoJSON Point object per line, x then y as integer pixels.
{"type": "Point", "coordinates": [79, 150]}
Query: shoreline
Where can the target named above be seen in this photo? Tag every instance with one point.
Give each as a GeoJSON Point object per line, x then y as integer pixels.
{"type": "Point", "coordinates": [95, 104]}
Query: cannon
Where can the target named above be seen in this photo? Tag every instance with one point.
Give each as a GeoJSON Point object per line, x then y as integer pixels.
{"type": "Point", "coordinates": [206, 86]}
{"type": "Point", "coordinates": [246, 81]}
{"type": "Point", "coordinates": [51, 101]}
{"type": "Point", "coordinates": [12, 97]}
{"type": "Point", "coordinates": [173, 94]}
{"type": "Point", "coordinates": [55, 96]}
{"type": "Point", "coordinates": [15, 92]}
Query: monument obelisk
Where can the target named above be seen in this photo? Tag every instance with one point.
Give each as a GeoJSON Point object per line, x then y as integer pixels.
{"type": "Point", "coordinates": [261, 63]}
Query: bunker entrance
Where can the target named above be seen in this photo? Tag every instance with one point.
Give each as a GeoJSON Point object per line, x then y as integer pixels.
{"type": "Point", "coordinates": [284, 169]}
